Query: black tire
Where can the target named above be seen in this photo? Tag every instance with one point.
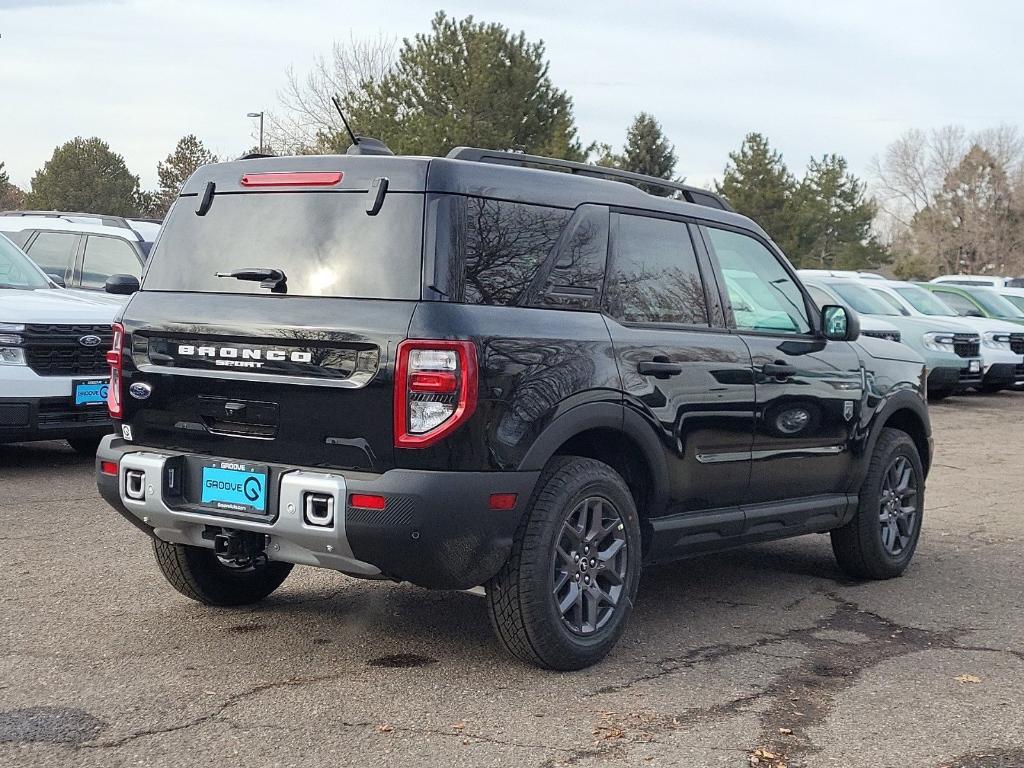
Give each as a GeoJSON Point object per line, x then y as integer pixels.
{"type": "Point", "coordinates": [521, 598]}
{"type": "Point", "coordinates": [199, 574]}
{"type": "Point", "coordinates": [85, 446]}
{"type": "Point", "coordinates": [875, 544]}
{"type": "Point", "coordinates": [991, 389]}
{"type": "Point", "coordinates": [936, 395]}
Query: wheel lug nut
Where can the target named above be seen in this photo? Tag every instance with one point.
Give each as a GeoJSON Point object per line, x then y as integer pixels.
{"type": "Point", "coordinates": [576, 558]}
{"type": "Point", "coordinates": [586, 579]}
{"type": "Point", "coordinates": [593, 562]}
{"type": "Point", "coordinates": [577, 577]}
{"type": "Point", "coordinates": [586, 549]}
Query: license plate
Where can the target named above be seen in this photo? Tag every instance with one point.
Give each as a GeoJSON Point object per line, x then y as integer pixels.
{"type": "Point", "coordinates": [234, 487]}
{"type": "Point", "coordinates": [91, 392]}
{"type": "Point", "coordinates": [975, 366]}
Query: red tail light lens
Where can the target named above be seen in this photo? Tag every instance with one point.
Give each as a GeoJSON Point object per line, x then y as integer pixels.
{"type": "Point", "coordinates": [108, 468]}
{"type": "Point", "coordinates": [435, 390]}
{"type": "Point", "coordinates": [115, 358]}
{"type": "Point", "coordinates": [292, 179]}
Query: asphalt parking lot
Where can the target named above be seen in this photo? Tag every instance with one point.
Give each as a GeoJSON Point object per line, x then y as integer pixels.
{"type": "Point", "coordinates": [765, 656]}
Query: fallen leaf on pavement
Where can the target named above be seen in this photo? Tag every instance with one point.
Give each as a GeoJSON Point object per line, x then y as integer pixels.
{"type": "Point", "coordinates": [967, 679]}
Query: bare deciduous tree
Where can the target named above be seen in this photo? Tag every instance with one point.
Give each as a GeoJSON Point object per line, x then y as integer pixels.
{"type": "Point", "coordinates": [305, 113]}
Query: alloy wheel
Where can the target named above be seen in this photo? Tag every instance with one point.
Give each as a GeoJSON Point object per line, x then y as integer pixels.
{"type": "Point", "coordinates": [589, 565]}
{"type": "Point", "coordinates": [898, 511]}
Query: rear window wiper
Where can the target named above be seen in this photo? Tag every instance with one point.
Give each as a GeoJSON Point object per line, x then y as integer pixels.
{"type": "Point", "coordinates": [274, 279]}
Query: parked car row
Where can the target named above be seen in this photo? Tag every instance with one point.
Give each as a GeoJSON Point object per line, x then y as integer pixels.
{"type": "Point", "coordinates": [56, 315]}
{"type": "Point", "coordinates": [970, 335]}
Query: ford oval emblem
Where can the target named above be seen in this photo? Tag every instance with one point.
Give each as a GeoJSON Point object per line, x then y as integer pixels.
{"type": "Point", "coordinates": [140, 391]}
{"type": "Point", "coordinates": [89, 340]}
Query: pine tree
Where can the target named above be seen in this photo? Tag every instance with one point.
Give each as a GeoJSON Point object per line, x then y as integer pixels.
{"type": "Point", "coordinates": [189, 153]}
{"type": "Point", "coordinates": [466, 83]}
{"type": "Point", "coordinates": [758, 184]}
{"type": "Point", "coordinates": [832, 219]}
{"type": "Point", "coordinates": [85, 175]}
{"type": "Point", "coordinates": [648, 151]}
{"type": "Point", "coordinates": [11, 197]}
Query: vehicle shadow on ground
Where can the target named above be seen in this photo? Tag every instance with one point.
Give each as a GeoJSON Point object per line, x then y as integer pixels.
{"type": "Point", "coordinates": [454, 624]}
{"type": "Point", "coordinates": [53, 453]}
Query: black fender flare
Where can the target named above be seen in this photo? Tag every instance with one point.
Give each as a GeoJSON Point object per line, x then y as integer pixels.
{"type": "Point", "coordinates": [905, 399]}
{"type": "Point", "coordinates": [605, 415]}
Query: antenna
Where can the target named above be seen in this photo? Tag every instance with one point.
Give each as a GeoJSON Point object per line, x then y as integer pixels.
{"type": "Point", "coordinates": [337, 106]}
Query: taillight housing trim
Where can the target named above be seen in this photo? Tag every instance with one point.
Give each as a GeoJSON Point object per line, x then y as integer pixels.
{"type": "Point", "coordinates": [466, 392]}
{"type": "Point", "coordinates": [115, 358]}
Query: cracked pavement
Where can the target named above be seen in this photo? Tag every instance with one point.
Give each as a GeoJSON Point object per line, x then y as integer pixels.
{"type": "Point", "coordinates": [767, 653]}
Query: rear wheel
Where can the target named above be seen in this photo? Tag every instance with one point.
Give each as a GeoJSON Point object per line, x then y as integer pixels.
{"type": "Point", "coordinates": [563, 598]}
{"type": "Point", "coordinates": [991, 389]}
{"type": "Point", "coordinates": [200, 574]}
{"type": "Point", "coordinates": [880, 540]}
{"type": "Point", "coordinates": [935, 395]}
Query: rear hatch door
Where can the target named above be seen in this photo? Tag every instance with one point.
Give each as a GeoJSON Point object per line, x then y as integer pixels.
{"type": "Point", "coordinates": [298, 372]}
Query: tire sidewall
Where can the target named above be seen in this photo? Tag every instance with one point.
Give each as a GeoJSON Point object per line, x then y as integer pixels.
{"type": "Point", "coordinates": [901, 445]}
{"type": "Point", "coordinates": [609, 486]}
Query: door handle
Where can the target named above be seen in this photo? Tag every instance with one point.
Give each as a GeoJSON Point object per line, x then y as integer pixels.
{"type": "Point", "coordinates": [659, 368]}
{"type": "Point", "coordinates": [778, 370]}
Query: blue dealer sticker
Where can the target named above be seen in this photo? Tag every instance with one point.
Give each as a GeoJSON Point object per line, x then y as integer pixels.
{"type": "Point", "coordinates": [235, 489]}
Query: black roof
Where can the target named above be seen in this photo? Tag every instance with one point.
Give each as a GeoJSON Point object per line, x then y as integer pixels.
{"type": "Point", "coordinates": [484, 173]}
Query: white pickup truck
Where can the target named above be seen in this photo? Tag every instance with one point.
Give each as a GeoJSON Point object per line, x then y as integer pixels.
{"type": "Point", "coordinates": [53, 343]}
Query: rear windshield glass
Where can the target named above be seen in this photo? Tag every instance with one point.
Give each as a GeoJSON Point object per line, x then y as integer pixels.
{"type": "Point", "coordinates": [324, 242]}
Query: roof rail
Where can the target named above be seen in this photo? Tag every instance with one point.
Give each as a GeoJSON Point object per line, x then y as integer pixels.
{"type": "Point", "coordinates": [109, 221]}
{"type": "Point", "coordinates": [688, 193]}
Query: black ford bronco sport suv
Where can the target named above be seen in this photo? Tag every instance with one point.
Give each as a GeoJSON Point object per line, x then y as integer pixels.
{"type": "Point", "coordinates": [498, 370]}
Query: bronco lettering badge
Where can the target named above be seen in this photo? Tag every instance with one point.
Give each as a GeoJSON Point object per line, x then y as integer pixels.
{"type": "Point", "coordinates": [243, 357]}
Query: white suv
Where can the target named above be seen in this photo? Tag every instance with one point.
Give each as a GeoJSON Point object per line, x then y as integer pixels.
{"type": "Point", "coordinates": [79, 251]}
{"type": "Point", "coordinates": [53, 343]}
{"type": "Point", "coordinates": [1002, 343]}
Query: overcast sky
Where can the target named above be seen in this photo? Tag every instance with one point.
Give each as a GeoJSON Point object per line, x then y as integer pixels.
{"type": "Point", "coordinates": [815, 77]}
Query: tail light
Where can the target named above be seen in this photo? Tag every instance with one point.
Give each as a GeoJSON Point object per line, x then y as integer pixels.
{"type": "Point", "coordinates": [435, 390]}
{"type": "Point", "coordinates": [115, 358]}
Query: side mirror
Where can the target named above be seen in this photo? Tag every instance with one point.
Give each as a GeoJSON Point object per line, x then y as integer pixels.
{"type": "Point", "coordinates": [839, 323]}
{"type": "Point", "coordinates": [121, 284]}
{"type": "Point", "coordinates": [58, 279]}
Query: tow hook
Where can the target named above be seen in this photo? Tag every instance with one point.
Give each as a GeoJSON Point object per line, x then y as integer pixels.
{"type": "Point", "coordinates": [242, 548]}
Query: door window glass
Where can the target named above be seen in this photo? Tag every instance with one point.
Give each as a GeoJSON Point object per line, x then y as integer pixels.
{"type": "Point", "coordinates": [763, 295]}
{"type": "Point", "coordinates": [961, 304]}
{"type": "Point", "coordinates": [54, 252]}
{"type": "Point", "coordinates": [106, 256]}
{"type": "Point", "coordinates": [654, 274]}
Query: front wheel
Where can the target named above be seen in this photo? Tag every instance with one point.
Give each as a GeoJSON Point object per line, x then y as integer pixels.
{"type": "Point", "coordinates": [880, 540]}
{"type": "Point", "coordinates": [85, 446]}
{"type": "Point", "coordinates": [199, 574]}
{"type": "Point", "coordinates": [563, 598]}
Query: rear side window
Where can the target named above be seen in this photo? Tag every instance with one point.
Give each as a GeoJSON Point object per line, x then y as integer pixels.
{"type": "Point", "coordinates": [324, 242]}
{"type": "Point", "coordinates": [19, 238]}
{"type": "Point", "coordinates": [504, 249]}
{"type": "Point", "coordinates": [106, 256]}
{"type": "Point", "coordinates": [653, 274]}
{"type": "Point", "coordinates": [54, 252]}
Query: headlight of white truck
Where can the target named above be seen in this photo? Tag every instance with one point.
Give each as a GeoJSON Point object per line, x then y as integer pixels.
{"type": "Point", "coordinates": [939, 341]}
{"type": "Point", "coordinates": [11, 352]}
{"type": "Point", "coordinates": [996, 340]}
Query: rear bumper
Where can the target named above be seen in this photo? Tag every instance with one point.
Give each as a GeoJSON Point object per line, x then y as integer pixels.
{"type": "Point", "coordinates": [435, 530]}
{"type": "Point", "coordinates": [50, 418]}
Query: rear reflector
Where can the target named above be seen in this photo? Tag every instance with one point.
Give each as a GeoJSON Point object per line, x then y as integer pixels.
{"type": "Point", "coordinates": [502, 501]}
{"type": "Point", "coordinates": [292, 179]}
{"type": "Point", "coordinates": [108, 468]}
{"type": "Point", "coordinates": [366, 501]}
